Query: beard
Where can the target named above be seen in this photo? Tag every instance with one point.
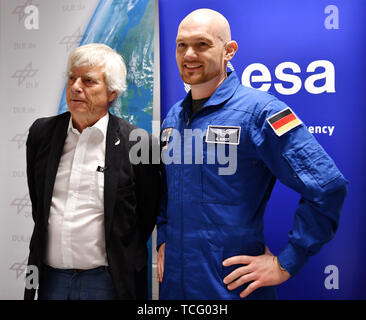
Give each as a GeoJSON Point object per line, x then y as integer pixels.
{"type": "Point", "coordinates": [198, 77]}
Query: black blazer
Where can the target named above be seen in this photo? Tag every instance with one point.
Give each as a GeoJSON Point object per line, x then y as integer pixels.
{"type": "Point", "coordinates": [131, 200]}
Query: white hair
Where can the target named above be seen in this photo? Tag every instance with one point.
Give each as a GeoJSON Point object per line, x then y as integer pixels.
{"type": "Point", "coordinates": [97, 54]}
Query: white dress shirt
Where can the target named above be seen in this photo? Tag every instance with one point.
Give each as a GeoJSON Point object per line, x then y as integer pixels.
{"type": "Point", "coordinates": [76, 237]}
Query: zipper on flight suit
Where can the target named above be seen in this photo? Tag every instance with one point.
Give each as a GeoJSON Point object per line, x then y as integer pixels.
{"type": "Point", "coordinates": [189, 121]}
{"type": "Point", "coordinates": [187, 124]}
{"type": "Point", "coordinates": [180, 199]}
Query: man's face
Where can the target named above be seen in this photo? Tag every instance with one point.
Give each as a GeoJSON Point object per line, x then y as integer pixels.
{"type": "Point", "coordinates": [87, 94]}
{"type": "Point", "coordinates": [199, 53]}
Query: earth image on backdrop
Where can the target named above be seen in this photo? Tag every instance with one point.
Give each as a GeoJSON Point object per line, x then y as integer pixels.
{"type": "Point", "coordinates": [128, 27]}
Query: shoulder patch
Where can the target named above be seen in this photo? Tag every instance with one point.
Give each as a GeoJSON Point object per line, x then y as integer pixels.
{"type": "Point", "coordinates": [283, 121]}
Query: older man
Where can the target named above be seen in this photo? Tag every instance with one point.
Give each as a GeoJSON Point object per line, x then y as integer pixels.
{"type": "Point", "coordinates": [210, 228]}
{"type": "Point", "coordinates": [93, 209]}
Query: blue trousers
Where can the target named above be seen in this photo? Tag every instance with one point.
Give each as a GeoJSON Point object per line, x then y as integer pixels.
{"type": "Point", "coordinates": [74, 284]}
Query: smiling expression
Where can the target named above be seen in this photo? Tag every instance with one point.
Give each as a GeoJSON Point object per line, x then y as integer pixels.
{"type": "Point", "coordinates": [199, 53]}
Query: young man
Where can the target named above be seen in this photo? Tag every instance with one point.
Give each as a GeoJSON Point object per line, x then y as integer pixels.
{"type": "Point", "coordinates": [210, 228]}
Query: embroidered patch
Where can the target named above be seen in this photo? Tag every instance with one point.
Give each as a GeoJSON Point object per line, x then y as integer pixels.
{"type": "Point", "coordinates": [283, 121]}
{"type": "Point", "coordinates": [223, 134]}
{"type": "Point", "coordinates": [165, 137]}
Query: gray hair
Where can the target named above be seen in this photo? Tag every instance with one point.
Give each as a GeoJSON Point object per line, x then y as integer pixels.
{"type": "Point", "coordinates": [97, 54]}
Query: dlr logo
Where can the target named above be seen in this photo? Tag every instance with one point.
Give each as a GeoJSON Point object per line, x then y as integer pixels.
{"type": "Point", "coordinates": [286, 72]}
{"type": "Point", "coordinates": [31, 21]}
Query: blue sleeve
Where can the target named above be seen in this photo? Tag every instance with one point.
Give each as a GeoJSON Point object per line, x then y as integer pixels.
{"type": "Point", "coordinates": [161, 219]}
{"type": "Point", "coordinates": [300, 162]}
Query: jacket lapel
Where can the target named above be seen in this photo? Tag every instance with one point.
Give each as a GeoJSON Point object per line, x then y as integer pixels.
{"type": "Point", "coordinates": [114, 156]}
{"type": "Point", "coordinates": [56, 146]}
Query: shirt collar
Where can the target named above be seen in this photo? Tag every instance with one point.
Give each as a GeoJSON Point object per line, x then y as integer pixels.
{"type": "Point", "coordinates": [101, 125]}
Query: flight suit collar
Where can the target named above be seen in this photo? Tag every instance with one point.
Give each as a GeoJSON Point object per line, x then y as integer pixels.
{"type": "Point", "coordinates": [224, 92]}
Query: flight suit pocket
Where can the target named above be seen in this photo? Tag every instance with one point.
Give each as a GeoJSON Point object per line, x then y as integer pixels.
{"type": "Point", "coordinates": [312, 163]}
{"type": "Point", "coordinates": [222, 147]}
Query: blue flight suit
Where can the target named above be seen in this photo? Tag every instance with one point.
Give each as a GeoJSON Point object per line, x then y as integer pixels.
{"type": "Point", "coordinates": [207, 217]}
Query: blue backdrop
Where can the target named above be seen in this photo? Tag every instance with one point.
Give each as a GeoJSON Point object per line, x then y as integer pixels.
{"type": "Point", "coordinates": [317, 39]}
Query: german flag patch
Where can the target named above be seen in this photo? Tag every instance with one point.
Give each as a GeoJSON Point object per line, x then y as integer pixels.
{"type": "Point", "coordinates": [283, 121]}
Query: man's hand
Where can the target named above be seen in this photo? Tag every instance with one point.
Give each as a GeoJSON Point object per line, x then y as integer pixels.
{"type": "Point", "coordinates": [263, 270]}
{"type": "Point", "coordinates": [160, 262]}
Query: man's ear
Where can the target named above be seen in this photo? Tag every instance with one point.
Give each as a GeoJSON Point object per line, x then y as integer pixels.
{"type": "Point", "coordinates": [112, 96]}
{"type": "Point", "coordinates": [231, 48]}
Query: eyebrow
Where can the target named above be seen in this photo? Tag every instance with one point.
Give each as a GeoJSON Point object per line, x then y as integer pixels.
{"type": "Point", "coordinates": [200, 38]}
{"type": "Point", "coordinates": [89, 75]}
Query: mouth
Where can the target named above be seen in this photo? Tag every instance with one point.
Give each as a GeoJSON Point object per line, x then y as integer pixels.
{"type": "Point", "coordinates": [77, 100]}
{"type": "Point", "coordinates": [192, 67]}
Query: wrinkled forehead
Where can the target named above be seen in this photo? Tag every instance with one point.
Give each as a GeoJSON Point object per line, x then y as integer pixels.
{"type": "Point", "coordinates": [88, 71]}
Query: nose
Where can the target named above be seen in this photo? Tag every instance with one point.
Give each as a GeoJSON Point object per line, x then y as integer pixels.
{"type": "Point", "coordinates": [190, 53]}
{"type": "Point", "coordinates": [76, 86]}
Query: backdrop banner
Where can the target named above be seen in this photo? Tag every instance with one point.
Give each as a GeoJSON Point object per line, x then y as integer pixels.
{"type": "Point", "coordinates": [311, 55]}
